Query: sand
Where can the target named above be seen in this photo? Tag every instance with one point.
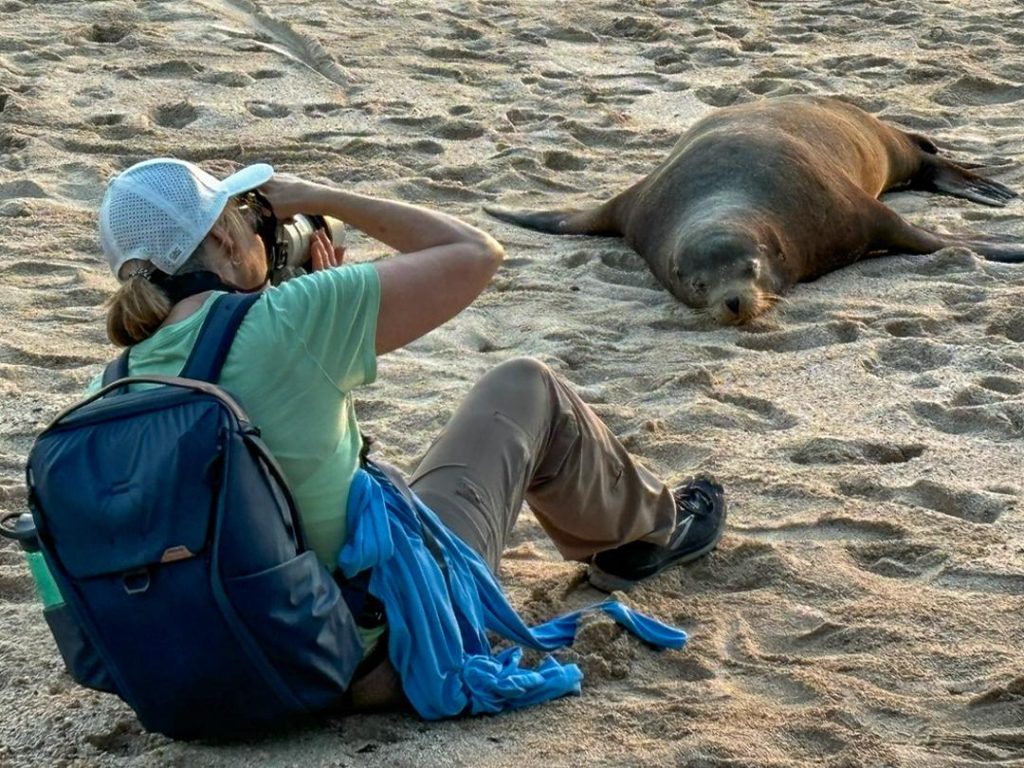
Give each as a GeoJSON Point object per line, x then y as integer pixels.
{"type": "Point", "coordinates": [866, 606]}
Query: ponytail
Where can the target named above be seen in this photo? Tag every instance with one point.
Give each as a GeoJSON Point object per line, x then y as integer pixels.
{"type": "Point", "coordinates": [136, 310]}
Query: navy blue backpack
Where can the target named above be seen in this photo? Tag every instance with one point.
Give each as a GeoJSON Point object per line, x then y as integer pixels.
{"type": "Point", "coordinates": [175, 544]}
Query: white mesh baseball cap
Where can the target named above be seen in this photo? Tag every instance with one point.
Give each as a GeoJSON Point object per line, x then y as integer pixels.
{"type": "Point", "coordinates": [160, 210]}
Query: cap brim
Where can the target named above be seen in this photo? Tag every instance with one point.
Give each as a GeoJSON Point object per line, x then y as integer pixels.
{"type": "Point", "coordinates": [246, 179]}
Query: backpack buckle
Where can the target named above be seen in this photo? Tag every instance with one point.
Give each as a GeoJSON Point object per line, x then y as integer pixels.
{"type": "Point", "coordinates": [136, 582]}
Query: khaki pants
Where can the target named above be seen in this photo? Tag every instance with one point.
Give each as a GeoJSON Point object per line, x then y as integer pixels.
{"type": "Point", "coordinates": [523, 434]}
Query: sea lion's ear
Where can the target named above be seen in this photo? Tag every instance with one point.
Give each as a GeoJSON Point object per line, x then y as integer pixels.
{"type": "Point", "coordinates": [768, 251]}
{"type": "Point", "coordinates": [924, 143]}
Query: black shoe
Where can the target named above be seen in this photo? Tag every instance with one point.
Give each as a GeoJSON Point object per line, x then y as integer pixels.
{"type": "Point", "coordinates": [700, 520]}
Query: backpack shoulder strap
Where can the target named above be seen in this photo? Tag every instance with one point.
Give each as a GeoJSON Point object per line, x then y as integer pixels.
{"type": "Point", "coordinates": [215, 337]}
{"type": "Point", "coordinates": [117, 368]}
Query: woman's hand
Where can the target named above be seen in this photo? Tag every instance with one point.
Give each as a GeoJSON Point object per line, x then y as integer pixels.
{"type": "Point", "coordinates": [444, 263]}
{"type": "Point", "coordinates": [323, 254]}
{"type": "Point", "coordinates": [289, 195]}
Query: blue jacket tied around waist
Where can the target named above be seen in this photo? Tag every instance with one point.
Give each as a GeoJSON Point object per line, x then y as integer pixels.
{"type": "Point", "coordinates": [440, 608]}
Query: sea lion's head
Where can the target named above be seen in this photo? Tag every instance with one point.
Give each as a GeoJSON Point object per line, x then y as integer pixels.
{"type": "Point", "coordinates": [729, 272]}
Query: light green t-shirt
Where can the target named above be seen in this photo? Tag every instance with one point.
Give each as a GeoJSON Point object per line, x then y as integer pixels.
{"type": "Point", "coordinates": [299, 352]}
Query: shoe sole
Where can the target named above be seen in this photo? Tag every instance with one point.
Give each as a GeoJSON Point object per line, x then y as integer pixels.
{"type": "Point", "coordinates": [609, 582]}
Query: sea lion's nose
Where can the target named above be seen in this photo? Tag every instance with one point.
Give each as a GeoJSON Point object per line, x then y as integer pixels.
{"type": "Point", "coordinates": [733, 304]}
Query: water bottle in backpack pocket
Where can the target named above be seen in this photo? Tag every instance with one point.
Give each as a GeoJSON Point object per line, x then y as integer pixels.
{"type": "Point", "coordinates": [75, 648]}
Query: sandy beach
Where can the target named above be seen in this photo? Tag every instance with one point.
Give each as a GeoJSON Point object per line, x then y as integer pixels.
{"type": "Point", "coordinates": [866, 606]}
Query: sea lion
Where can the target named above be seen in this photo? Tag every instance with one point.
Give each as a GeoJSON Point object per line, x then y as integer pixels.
{"type": "Point", "coordinates": [757, 197]}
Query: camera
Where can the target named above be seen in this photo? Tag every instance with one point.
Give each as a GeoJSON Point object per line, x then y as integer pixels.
{"type": "Point", "coordinates": [287, 241]}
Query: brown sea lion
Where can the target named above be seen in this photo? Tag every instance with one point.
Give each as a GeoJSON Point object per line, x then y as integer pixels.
{"type": "Point", "coordinates": [759, 196]}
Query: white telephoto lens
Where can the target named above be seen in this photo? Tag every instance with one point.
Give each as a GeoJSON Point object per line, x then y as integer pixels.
{"type": "Point", "coordinates": [336, 230]}
{"type": "Point", "coordinates": [295, 237]}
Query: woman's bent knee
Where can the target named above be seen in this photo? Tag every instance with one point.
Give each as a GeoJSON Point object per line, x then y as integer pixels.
{"type": "Point", "coordinates": [523, 371]}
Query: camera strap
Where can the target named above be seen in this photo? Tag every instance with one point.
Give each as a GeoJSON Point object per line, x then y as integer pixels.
{"type": "Point", "coordinates": [178, 287]}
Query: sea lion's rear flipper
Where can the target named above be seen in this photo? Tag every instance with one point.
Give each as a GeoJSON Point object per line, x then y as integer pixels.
{"type": "Point", "coordinates": [893, 234]}
{"type": "Point", "coordinates": [566, 221]}
{"type": "Point", "coordinates": [943, 176]}
{"type": "Point", "coordinates": [1007, 253]}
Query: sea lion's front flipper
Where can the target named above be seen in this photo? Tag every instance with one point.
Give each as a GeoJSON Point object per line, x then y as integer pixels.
{"type": "Point", "coordinates": [943, 176]}
{"type": "Point", "coordinates": [565, 221]}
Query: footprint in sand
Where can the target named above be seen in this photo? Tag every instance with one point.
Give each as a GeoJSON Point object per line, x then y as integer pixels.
{"type": "Point", "coordinates": [981, 580]}
{"type": "Point", "coordinates": [39, 274]}
{"type": "Point", "coordinates": [1001, 384]}
{"type": "Point", "coordinates": [109, 31]}
{"type": "Point", "coordinates": [988, 391]}
{"type": "Point", "coordinates": [671, 62]}
{"type": "Point", "coordinates": [267, 74]}
{"type": "Point", "coordinates": [322, 109]}
{"type": "Point", "coordinates": [107, 120]}
{"type": "Point", "coordinates": [1005, 694]}
{"type": "Point", "coordinates": [172, 69]}
{"type": "Point", "coordinates": [722, 95]}
{"type": "Point", "coordinates": [831, 637]}
{"type": "Point", "coordinates": [977, 91]}
{"type": "Point", "coordinates": [779, 689]}
{"type": "Point", "coordinates": [600, 137]}
{"type": "Point", "coordinates": [22, 188]}
{"type": "Point", "coordinates": [829, 450]}
{"type": "Point", "coordinates": [799, 339]}
{"type": "Point", "coordinates": [267, 109]}
{"type": "Point", "coordinates": [14, 355]}
{"type": "Point", "coordinates": [909, 355]}
{"type": "Point", "coordinates": [969, 505]}
{"type": "Point", "coordinates": [898, 559]}
{"type": "Point", "coordinates": [227, 79]}
{"type": "Point", "coordinates": [952, 261]}
{"type": "Point", "coordinates": [733, 411]}
{"type": "Point", "coordinates": [1004, 420]}
{"type": "Point", "coordinates": [904, 327]}
{"type": "Point", "coordinates": [454, 54]}
{"type": "Point", "coordinates": [10, 143]}
{"type": "Point", "coordinates": [775, 88]}
{"type": "Point", "coordinates": [768, 415]}
{"type": "Point", "coordinates": [1008, 323]}
{"type": "Point", "coordinates": [88, 96]}
{"type": "Point", "coordinates": [825, 529]}
{"type": "Point", "coordinates": [622, 268]}
{"type": "Point", "coordinates": [176, 115]}
{"type": "Point", "coordinates": [558, 160]}
{"type": "Point", "coordinates": [441, 127]}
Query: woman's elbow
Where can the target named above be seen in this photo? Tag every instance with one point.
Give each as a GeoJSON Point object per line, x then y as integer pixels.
{"type": "Point", "coordinates": [490, 251]}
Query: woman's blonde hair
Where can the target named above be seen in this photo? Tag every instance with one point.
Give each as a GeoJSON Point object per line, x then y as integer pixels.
{"type": "Point", "coordinates": [140, 306]}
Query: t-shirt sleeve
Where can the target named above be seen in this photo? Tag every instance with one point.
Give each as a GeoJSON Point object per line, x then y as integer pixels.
{"type": "Point", "coordinates": [333, 314]}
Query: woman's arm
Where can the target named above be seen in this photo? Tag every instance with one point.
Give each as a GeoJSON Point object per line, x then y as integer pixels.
{"type": "Point", "coordinates": [444, 264]}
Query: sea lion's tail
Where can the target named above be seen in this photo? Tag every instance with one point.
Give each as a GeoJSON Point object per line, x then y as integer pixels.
{"type": "Point", "coordinates": [566, 221]}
